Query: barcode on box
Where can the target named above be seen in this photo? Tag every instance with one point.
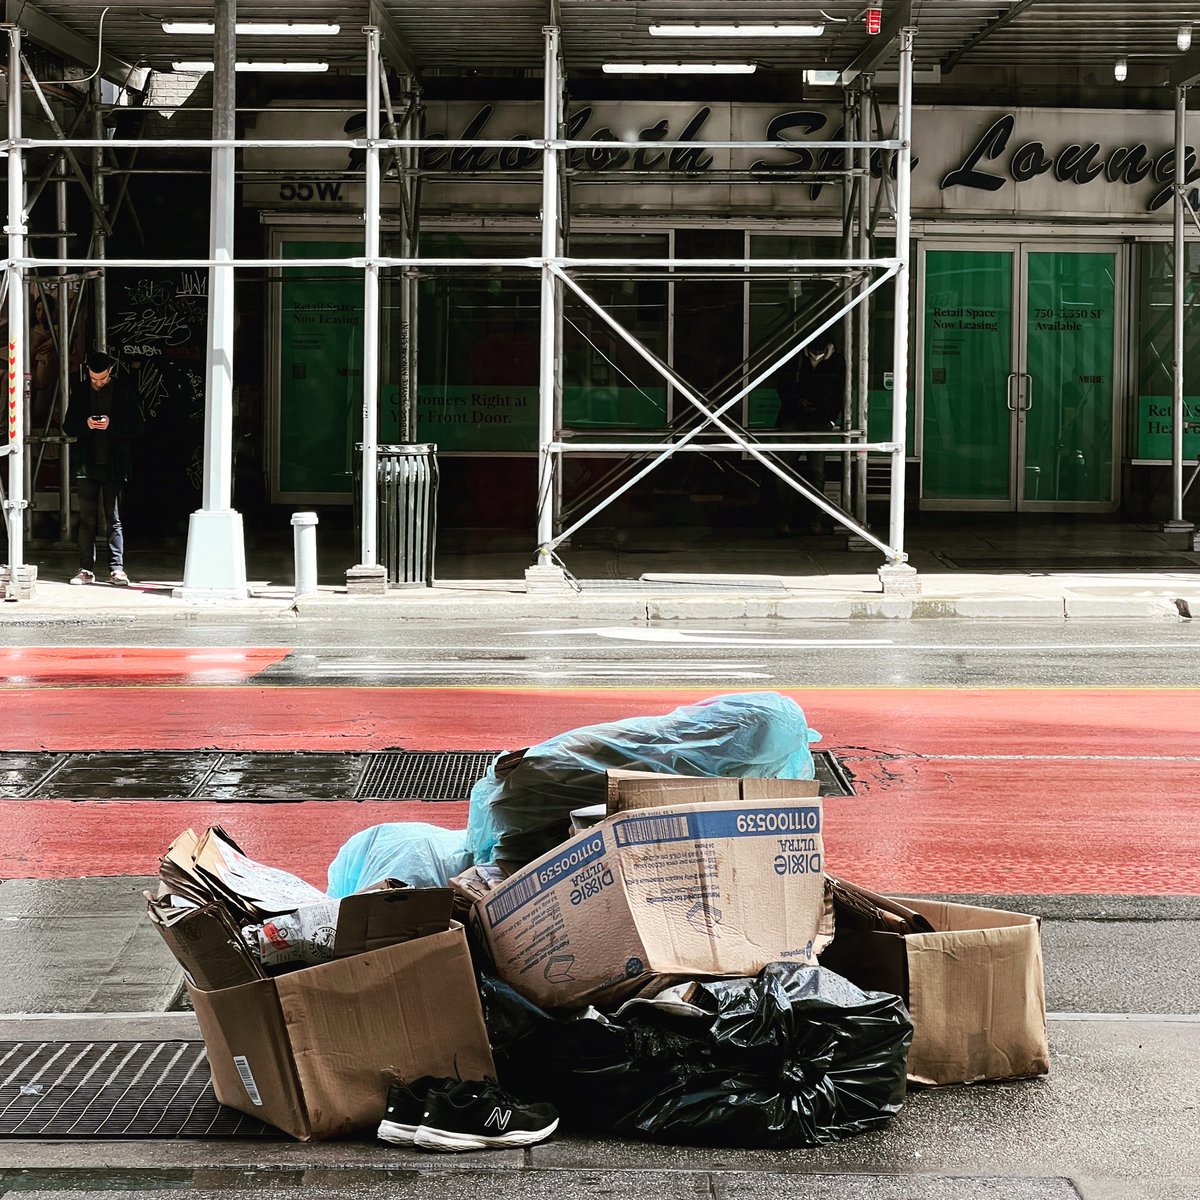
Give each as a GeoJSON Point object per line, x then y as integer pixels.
{"type": "Point", "coordinates": [247, 1078]}
{"type": "Point", "coordinates": [511, 899]}
{"type": "Point", "coordinates": [644, 831]}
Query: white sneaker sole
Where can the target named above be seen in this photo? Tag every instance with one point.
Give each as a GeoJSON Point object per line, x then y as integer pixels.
{"type": "Point", "coordinates": [429, 1138]}
{"type": "Point", "coordinates": [398, 1135]}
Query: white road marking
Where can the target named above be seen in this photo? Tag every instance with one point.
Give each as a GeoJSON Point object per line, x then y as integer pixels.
{"type": "Point", "coordinates": [1060, 757]}
{"type": "Point", "coordinates": [712, 638]}
{"type": "Point", "coordinates": [706, 670]}
{"type": "Point", "coordinates": [1151, 1018]}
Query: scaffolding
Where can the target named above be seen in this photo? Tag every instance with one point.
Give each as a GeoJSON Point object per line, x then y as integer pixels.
{"type": "Point", "coordinates": [215, 554]}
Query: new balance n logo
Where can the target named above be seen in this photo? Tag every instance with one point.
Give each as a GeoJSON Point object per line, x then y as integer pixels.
{"type": "Point", "coordinates": [499, 1117]}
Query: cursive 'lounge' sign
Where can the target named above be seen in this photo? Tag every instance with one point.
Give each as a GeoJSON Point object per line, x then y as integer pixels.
{"type": "Point", "coordinates": [1076, 163]}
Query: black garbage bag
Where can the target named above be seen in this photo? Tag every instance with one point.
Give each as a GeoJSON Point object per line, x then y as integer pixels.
{"type": "Point", "coordinates": [797, 1056]}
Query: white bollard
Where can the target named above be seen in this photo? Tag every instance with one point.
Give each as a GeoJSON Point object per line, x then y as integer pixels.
{"type": "Point", "coordinates": [304, 539]}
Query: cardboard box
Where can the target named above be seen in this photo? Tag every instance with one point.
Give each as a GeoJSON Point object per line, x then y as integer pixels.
{"type": "Point", "coordinates": [974, 989]}
{"type": "Point", "coordinates": [630, 790]}
{"type": "Point", "coordinates": [718, 888]}
{"type": "Point", "coordinates": [309, 1052]}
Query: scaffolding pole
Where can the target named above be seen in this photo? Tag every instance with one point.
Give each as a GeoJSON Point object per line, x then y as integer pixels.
{"type": "Point", "coordinates": [99, 236]}
{"type": "Point", "coordinates": [896, 575]}
{"type": "Point", "coordinates": [1178, 523]}
{"type": "Point", "coordinates": [549, 354]}
{"type": "Point", "coordinates": [863, 360]}
{"type": "Point", "coordinates": [63, 338]}
{"type": "Point", "coordinates": [368, 568]}
{"type": "Point", "coordinates": [19, 577]}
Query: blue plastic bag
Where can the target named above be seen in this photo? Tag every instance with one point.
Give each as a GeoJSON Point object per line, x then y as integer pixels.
{"type": "Point", "coordinates": [521, 808]}
{"type": "Point", "coordinates": [419, 854]}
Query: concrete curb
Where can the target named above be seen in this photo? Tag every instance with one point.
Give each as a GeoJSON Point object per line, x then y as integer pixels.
{"type": "Point", "coordinates": [831, 598]}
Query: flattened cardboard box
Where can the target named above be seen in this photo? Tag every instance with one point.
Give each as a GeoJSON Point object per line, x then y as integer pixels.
{"type": "Point", "coordinates": [697, 889]}
{"type": "Point", "coordinates": [975, 990]}
{"type": "Point", "coordinates": [307, 1051]}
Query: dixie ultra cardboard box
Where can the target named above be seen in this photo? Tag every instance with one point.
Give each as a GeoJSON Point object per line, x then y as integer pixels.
{"type": "Point", "coordinates": [719, 888]}
{"type": "Point", "coordinates": [974, 989]}
{"type": "Point", "coordinates": [308, 1051]}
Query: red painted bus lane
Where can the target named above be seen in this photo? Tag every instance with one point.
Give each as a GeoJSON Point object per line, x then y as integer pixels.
{"type": "Point", "coordinates": [1100, 721]}
{"type": "Point", "coordinates": [983, 832]}
{"type": "Point", "coordinates": [996, 791]}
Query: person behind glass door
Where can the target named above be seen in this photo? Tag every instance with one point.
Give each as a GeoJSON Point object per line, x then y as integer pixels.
{"type": "Point", "coordinates": [810, 402]}
{"type": "Point", "coordinates": [105, 418]}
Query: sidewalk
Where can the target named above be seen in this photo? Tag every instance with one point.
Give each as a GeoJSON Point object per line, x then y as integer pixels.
{"type": "Point", "coordinates": [999, 570]}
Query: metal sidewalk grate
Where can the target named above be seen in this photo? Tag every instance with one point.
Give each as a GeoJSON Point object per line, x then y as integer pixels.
{"type": "Point", "coordinates": [422, 775]}
{"type": "Point", "coordinates": [114, 1090]}
{"type": "Point", "coordinates": [270, 777]}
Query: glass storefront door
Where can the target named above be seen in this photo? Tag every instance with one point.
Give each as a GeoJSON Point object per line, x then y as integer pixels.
{"type": "Point", "coordinates": [1019, 378]}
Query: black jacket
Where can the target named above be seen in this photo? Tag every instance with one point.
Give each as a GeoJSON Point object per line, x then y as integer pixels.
{"type": "Point", "coordinates": [811, 397]}
{"type": "Point", "coordinates": [103, 453]}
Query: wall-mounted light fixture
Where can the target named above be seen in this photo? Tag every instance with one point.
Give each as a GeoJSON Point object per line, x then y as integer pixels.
{"type": "Point", "coordinates": [1120, 70]}
{"type": "Point", "coordinates": [1183, 39]}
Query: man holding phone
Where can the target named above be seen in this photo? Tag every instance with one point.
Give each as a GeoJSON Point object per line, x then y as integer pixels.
{"type": "Point", "coordinates": [104, 418]}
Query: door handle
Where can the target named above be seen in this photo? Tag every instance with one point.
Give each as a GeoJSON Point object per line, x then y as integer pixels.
{"type": "Point", "coordinates": [1012, 404]}
{"type": "Point", "coordinates": [1028, 390]}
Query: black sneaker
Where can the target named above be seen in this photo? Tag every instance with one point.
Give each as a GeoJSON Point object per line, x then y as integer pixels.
{"type": "Point", "coordinates": [405, 1107]}
{"type": "Point", "coordinates": [479, 1116]}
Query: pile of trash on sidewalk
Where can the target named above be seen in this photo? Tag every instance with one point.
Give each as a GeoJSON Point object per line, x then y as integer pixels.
{"type": "Point", "coordinates": [637, 931]}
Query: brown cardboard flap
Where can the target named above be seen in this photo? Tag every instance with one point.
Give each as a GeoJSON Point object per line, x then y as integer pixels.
{"type": "Point", "coordinates": [778, 789]}
{"type": "Point", "coordinates": [410, 1009]}
{"type": "Point", "coordinates": [372, 920]}
{"type": "Point", "coordinates": [629, 790]}
{"type": "Point", "coordinates": [206, 943]}
{"type": "Point", "coordinates": [249, 1056]}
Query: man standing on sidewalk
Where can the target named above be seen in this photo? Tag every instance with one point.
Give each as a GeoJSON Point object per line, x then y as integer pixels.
{"type": "Point", "coordinates": [104, 418]}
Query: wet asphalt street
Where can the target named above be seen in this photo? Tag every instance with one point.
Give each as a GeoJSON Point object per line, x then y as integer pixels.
{"type": "Point", "coordinates": [736, 655]}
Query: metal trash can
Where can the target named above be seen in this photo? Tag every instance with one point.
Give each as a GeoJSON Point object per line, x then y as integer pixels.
{"type": "Point", "coordinates": [405, 511]}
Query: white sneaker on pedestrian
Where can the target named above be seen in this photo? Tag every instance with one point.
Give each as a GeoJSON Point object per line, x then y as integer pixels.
{"type": "Point", "coordinates": [82, 576]}
{"type": "Point", "coordinates": [118, 578]}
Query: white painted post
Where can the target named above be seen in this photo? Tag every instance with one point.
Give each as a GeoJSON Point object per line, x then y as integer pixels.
{"type": "Point", "coordinates": [215, 563]}
{"type": "Point", "coordinates": [304, 552]}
